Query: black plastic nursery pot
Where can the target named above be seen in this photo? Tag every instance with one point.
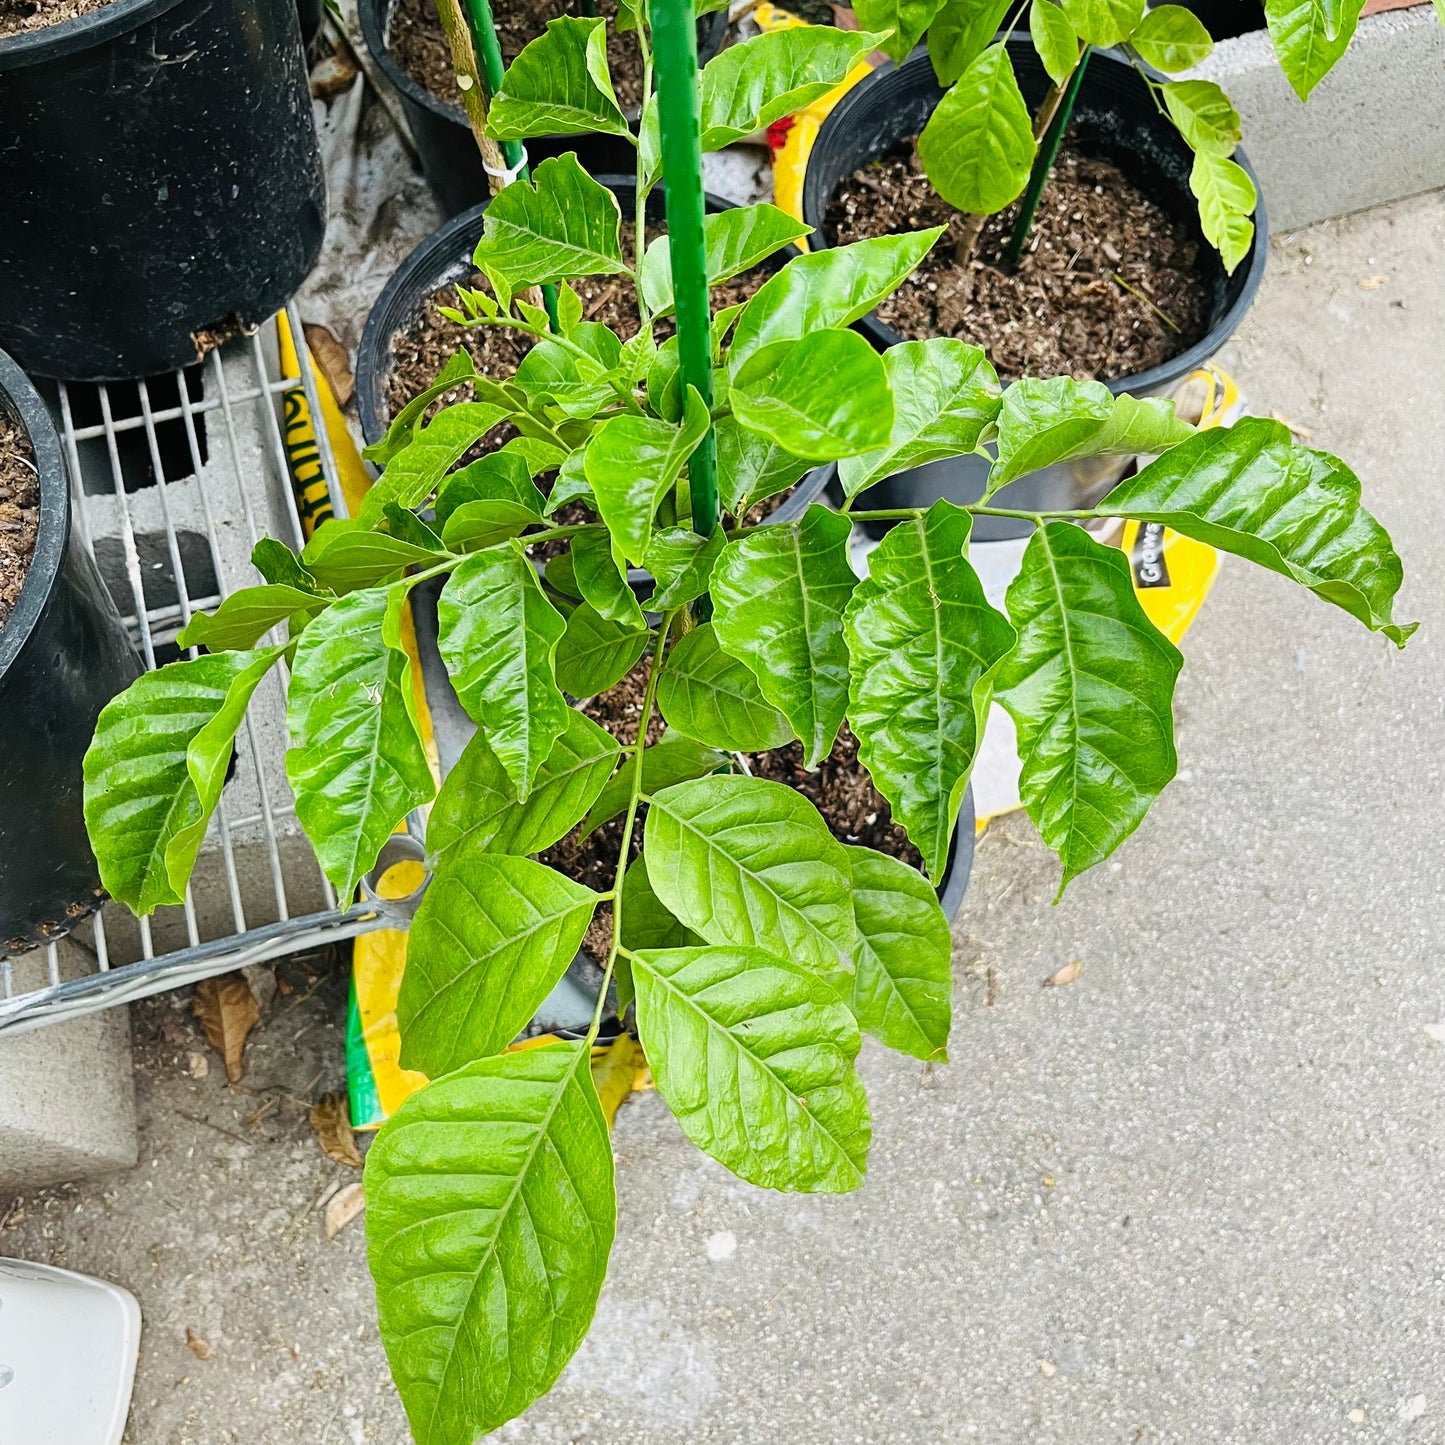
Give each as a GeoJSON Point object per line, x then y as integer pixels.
{"type": "Point", "coordinates": [444, 142]}
{"type": "Point", "coordinates": [162, 183]}
{"type": "Point", "coordinates": [1115, 117]}
{"type": "Point", "coordinates": [64, 654]}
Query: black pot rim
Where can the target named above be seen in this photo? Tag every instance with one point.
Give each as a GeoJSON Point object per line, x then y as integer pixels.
{"type": "Point", "coordinates": [1156, 376]}
{"type": "Point", "coordinates": [54, 532]}
{"type": "Point", "coordinates": [81, 32]}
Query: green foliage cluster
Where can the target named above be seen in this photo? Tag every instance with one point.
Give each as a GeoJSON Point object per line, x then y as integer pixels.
{"type": "Point", "coordinates": [753, 947]}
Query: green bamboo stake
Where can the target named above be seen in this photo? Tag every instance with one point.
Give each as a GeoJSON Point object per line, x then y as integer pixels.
{"type": "Point", "coordinates": [679, 113]}
{"type": "Point", "coordinates": [1044, 163]}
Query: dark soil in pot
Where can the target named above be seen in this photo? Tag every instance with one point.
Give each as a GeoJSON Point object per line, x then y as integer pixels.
{"type": "Point", "coordinates": [19, 513]}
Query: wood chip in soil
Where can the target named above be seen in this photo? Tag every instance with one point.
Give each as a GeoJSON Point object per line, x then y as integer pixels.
{"type": "Point", "coordinates": [19, 16]}
{"type": "Point", "coordinates": [1064, 311]}
{"type": "Point", "coordinates": [19, 513]}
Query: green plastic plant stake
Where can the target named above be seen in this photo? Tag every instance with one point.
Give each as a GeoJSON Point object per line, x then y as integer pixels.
{"type": "Point", "coordinates": [679, 114]}
{"type": "Point", "coordinates": [1044, 163]}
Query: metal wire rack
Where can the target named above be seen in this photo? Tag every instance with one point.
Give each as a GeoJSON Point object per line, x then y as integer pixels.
{"type": "Point", "coordinates": [174, 480]}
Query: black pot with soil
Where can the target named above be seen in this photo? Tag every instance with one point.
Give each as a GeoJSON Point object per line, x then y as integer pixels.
{"type": "Point", "coordinates": [161, 178]}
{"type": "Point", "coordinates": [64, 654]}
{"type": "Point", "coordinates": [1117, 209]}
{"type": "Point", "coordinates": [407, 43]}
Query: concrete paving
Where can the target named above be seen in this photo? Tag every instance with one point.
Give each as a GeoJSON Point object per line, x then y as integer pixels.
{"type": "Point", "coordinates": [1193, 1196]}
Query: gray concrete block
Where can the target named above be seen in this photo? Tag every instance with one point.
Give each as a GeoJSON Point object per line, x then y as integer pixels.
{"type": "Point", "coordinates": [1373, 130]}
{"type": "Point", "coordinates": [67, 1096]}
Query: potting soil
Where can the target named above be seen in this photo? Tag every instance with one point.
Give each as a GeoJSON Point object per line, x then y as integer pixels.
{"type": "Point", "coordinates": [17, 17]}
{"type": "Point", "coordinates": [19, 513]}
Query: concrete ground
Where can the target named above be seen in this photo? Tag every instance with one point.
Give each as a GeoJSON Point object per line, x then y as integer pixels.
{"type": "Point", "coordinates": [1191, 1197]}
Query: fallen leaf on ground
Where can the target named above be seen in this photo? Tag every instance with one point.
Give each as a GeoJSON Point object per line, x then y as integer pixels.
{"type": "Point", "coordinates": [614, 1073]}
{"type": "Point", "coordinates": [342, 1208]}
{"type": "Point", "coordinates": [1067, 974]}
{"type": "Point", "coordinates": [198, 1347]}
{"type": "Point", "coordinates": [332, 1124]}
{"type": "Point", "coordinates": [1371, 283]}
{"type": "Point", "coordinates": [228, 1012]}
{"type": "Point", "coordinates": [332, 357]}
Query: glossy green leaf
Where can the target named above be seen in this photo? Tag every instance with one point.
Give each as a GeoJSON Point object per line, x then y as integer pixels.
{"type": "Point", "coordinates": [415, 471]}
{"type": "Point", "coordinates": [1090, 687]}
{"type": "Point", "coordinates": [672, 759]}
{"type": "Point", "coordinates": [961, 31]}
{"type": "Point", "coordinates": [499, 476]}
{"type": "Point", "coordinates": [492, 937]}
{"type": "Point", "coordinates": [758, 81]}
{"type": "Point", "coordinates": [821, 397]}
{"type": "Point", "coordinates": [490, 1211]}
{"type": "Point", "coordinates": [1054, 39]}
{"type": "Point", "coordinates": [1204, 116]}
{"type": "Point", "coordinates": [497, 633]}
{"type": "Point", "coordinates": [832, 287]}
{"type": "Point", "coordinates": [944, 394]}
{"type": "Point", "coordinates": [404, 424]}
{"type": "Point", "coordinates": [752, 467]}
{"type": "Point", "coordinates": [1104, 22]}
{"type": "Point", "coordinates": [280, 566]}
{"type": "Point", "coordinates": [600, 581]}
{"type": "Point", "coordinates": [978, 145]}
{"type": "Point", "coordinates": [345, 554]}
{"type": "Point", "coordinates": [1309, 36]}
{"type": "Point", "coordinates": [745, 861]}
{"type": "Point", "coordinates": [646, 923]}
{"type": "Point", "coordinates": [400, 522]}
{"type": "Point", "coordinates": [631, 463]}
{"type": "Point", "coordinates": [594, 653]}
{"type": "Point", "coordinates": [577, 385]}
{"type": "Point", "coordinates": [708, 695]}
{"type": "Point", "coordinates": [571, 484]}
{"type": "Point", "coordinates": [1172, 38]}
{"type": "Point", "coordinates": [356, 764]}
{"type": "Point", "coordinates": [477, 810]}
{"type": "Point", "coordinates": [248, 615]}
{"type": "Point", "coordinates": [559, 85]}
{"type": "Point", "coordinates": [1252, 490]}
{"type": "Point", "coordinates": [778, 596]}
{"type": "Point", "coordinates": [1227, 198]}
{"type": "Point", "coordinates": [903, 986]}
{"type": "Point", "coordinates": [484, 523]}
{"type": "Point", "coordinates": [682, 563]}
{"type": "Point", "coordinates": [906, 19]}
{"type": "Point", "coordinates": [925, 646]}
{"type": "Point", "coordinates": [560, 224]}
{"type": "Point", "coordinates": [754, 1056]}
{"type": "Point", "coordinates": [155, 768]}
{"type": "Point", "coordinates": [733, 240]}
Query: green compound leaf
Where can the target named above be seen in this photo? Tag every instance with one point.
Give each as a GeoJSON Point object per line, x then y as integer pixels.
{"type": "Point", "coordinates": [752, 84]}
{"type": "Point", "coordinates": [1054, 39]}
{"type": "Point", "coordinates": [682, 563]}
{"type": "Point", "coordinates": [490, 1212]}
{"type": "Point", "coordinates": [672, 759]}
{"type": "Point", "coordinates": [155, 768]}
{"type": "Point", "coordinates": [1090, 686]}
{"type": "Point", "coordinates": [745, 861]}
{"type": "Point", "coordinates": [632, 461]}
{"type": "Point", "coordinates": [594, 654]}
{"type": "Point", "coordinates": [346, 554]}
{"type": "Point", "coordinates": [497, 634]}
{"type": "Point", "coordinates": [778, 595]}
{"type": "Point", "coordinates": [493, 935]}
{"type": "Point", "coordinates": [712, 697]}
{"type": "Point", "coordinates": [357, 764]}
{"type": "Point", "coordinates": [559, 85]}
{"type": "Point", "coordinates": [1204, 116]}
{"type": "Point", "coordinates": [978, 145]}
{"type": "Point", "coordinates": [961, 31]}
{"type": "Point", "coordinates": [1309, 36]}
{"type": "Point", "coordinates": [944, 394]}
{"type": "Point", "coordinates": [1172, 38]}
{"type": "Point", "coordinates": [907, 19]}
{"type": "Point", "coordinates": [925, 646]}
{"type": "Point", "coordinates": [476, 808]}
{"type": "Point", "coordinates": [833, 287]}
{"type": "Point", "coordinates": [600, 582]}
{"type": "Point", "coordinates": [1058, 420]}
{"type": "Point", "coordinates": [1227, 198]}
{"type": "Point", "coordinates": [416, 470]}
{"type": "Point", "coordinates": [733, 241]}
{"type": "Point", "coordinates": [562, 224]}
{"type": "Point", "coordinates": [752, 467]}
{"type": "Point", "coordinates": [1251, 490]}
{"type": "Point", "coordinates": [822, 397]}
{"type": "Point", "coordinates": [754, 1056]}
{"type": "Point", "coordinates": [245, 617]}
{"type": "Point", "coordinates": [903, 986]}
{"type": "Point", "coordinates": [1104, 22]}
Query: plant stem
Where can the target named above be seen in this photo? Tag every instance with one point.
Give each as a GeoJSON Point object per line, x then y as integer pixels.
{"type": "Point", "coordinates": [674, 37]}
{"type": "Point", "coordinates": [1049, 127]}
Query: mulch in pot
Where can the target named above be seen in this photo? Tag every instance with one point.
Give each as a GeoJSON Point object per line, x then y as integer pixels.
{"type": "Point", "coordinates": [1064, 311]}
{"type": "Point", "coordinates": [19, 513]}
{"type": "Point", "coordinates": [18, 17]}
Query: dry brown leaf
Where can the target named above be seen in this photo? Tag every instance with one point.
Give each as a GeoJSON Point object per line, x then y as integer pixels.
{"type": "Point", "coordinates": [331, 356]}
{"type": "Point", "coordinates": [228, 1012]}
{"type": "Point", "coordinates": [614, 1074]}
{"type": "Point", "coordinates": [342, 1208]}
{"type": "Point", "coordinates": [332, 75]}
{"type": "Point", "coordinates": [198, 1347]}
{"type": "Point", "coordinates": [331, 1122]}
{"type": "Point", "coordinates": [1067, 974]}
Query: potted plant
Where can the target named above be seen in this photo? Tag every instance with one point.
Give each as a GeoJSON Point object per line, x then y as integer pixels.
{"type": "Point", "coordinates": [64, 654]}
{"type": "Point", "coordinates": [750, 945]}
{"type": "Point", "coordinates": [162, 180]}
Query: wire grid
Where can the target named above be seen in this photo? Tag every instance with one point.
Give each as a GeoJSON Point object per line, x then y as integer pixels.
{"type": "Point", "coordinates": [127, 965]}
